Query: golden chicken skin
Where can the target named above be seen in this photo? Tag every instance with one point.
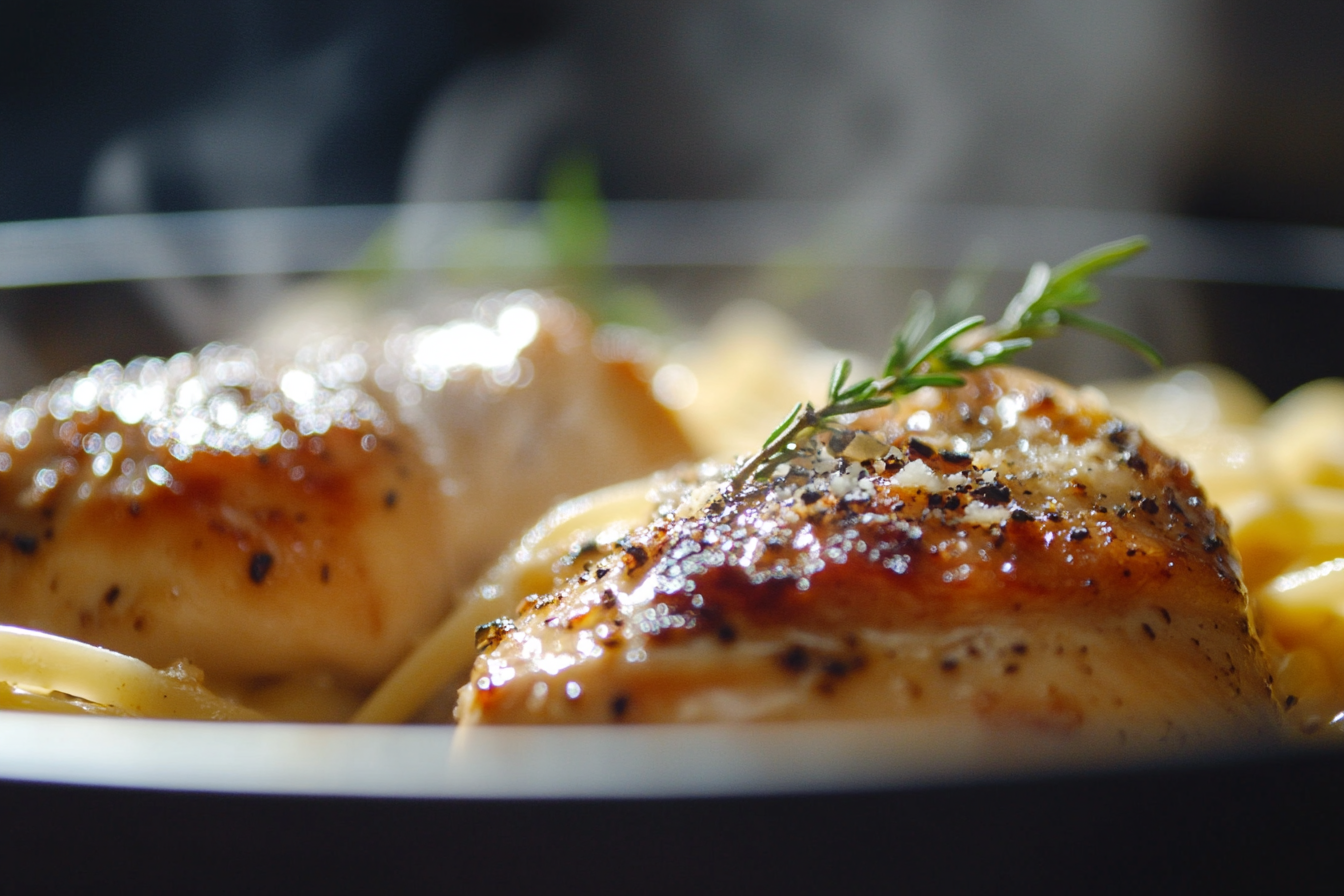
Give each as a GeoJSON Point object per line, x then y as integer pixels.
{"type": "Point", "coordinates": [1005, 553]}
{"type": "Point", "coordinates": [292, 525]}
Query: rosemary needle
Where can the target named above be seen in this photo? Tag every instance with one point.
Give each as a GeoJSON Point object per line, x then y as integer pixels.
{"type": "Point", "coordinates": [1047, 301]}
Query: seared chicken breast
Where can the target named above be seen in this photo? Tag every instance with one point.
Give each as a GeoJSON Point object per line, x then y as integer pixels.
{"type": "Point", "coordinates": [1006, 553]}
{"type": "Point", "coordinates": [299, 522]}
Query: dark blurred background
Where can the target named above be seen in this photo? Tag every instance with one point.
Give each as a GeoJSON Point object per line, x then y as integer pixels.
{"type": "Point", "coordinates": [1232, 110]}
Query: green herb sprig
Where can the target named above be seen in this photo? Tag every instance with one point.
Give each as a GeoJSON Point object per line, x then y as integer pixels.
{"type": "Point", "coordinates": [1047, 301]}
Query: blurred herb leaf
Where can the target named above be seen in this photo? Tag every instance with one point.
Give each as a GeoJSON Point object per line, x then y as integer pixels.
{"type": "Point", "coordinates": [574, 218]}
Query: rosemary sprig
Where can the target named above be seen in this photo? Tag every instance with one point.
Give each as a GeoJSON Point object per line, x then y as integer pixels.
{"type": "Point", "coordinates": [1047, 301]}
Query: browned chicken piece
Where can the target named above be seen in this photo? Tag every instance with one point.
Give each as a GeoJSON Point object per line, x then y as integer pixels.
{"type": "Point", "coordinates": [1006, 553]}
{"type": "Point", "coordinates": [293, 525]}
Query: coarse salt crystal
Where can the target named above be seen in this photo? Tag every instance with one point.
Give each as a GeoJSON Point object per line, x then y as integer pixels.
{"type": "Point", "coordinates": [697, 500]}
{"type": "Point", "coordinates": [843, 485]}
{"type": "Point", "coordinates": [984, 515]}
{"type": "Point", "coordinates": [918, 474]}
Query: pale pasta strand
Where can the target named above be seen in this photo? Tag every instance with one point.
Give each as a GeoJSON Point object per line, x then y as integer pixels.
{"type": "Point", "coordinates": [34, 664]}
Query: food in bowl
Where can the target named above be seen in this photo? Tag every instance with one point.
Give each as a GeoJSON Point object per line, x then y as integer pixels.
{"type": "Point", "coordinates": [1007, 551]}
{"type": "Point", "coordinates": [293, 524]}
